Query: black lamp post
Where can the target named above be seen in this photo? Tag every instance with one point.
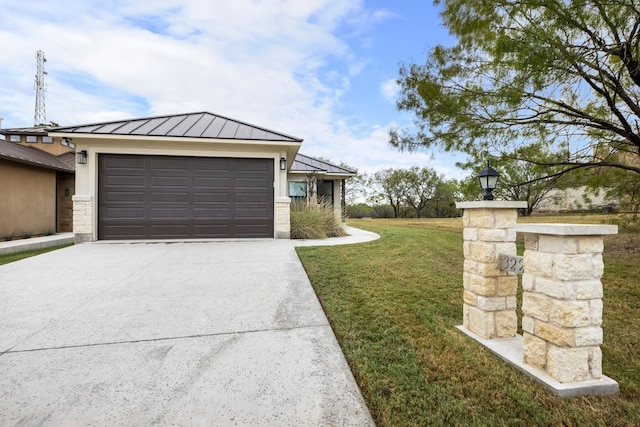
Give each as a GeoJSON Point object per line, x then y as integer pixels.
{"type": "Point", "coordinates": [488, 181]}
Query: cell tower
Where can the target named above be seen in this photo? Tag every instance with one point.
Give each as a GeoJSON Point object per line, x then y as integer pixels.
{"type": "Point", "coordinates": [40, 116]}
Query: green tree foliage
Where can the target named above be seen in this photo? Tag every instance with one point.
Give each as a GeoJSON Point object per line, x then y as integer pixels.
{"type": "Point", "coordinates": [421, 187]}
{"type": "Point", "coordinates": [415, 191]}
{"type": "Point", "coordinates": [559, 74]}
{"type": "Point", "coordinates": [443, 202]}
{"type": "Point", "coordinates": [393, 187]}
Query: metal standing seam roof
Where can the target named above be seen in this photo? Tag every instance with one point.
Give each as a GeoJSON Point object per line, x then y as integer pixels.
{"type": "Point", "coordinates": [308, 164]}
{"type": "Point", "coordinates": [33, 156]}
{"type": "Point", "coordinates": [191, 125]}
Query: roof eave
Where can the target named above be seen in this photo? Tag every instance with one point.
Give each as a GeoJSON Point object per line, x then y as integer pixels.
{"type": "Point", "coordinates": [324, 173]}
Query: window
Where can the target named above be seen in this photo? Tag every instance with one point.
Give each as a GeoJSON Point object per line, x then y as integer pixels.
{"type": "Point", "coordinates": [325, 191]}
{"type": "Point", "coordinates": [32, 138]}
{"type": "Point", "coordinates": [297, 189]}
{"type": "Point", "coordinates": [14, 138]}
{"type": "Point", "coordinates": [47, 140]}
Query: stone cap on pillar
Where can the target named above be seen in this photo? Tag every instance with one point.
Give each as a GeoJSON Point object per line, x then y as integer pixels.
{"type": "Point", "coordinates": [568, 229]}
{"type": "Point", "coordinates": [491, 204]}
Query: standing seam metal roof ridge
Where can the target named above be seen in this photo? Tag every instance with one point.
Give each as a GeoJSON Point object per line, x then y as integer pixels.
{"type": "Point", "coordinates": [99, 125]}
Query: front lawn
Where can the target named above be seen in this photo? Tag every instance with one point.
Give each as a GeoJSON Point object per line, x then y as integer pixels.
{"type": "Point", "coordinates": [394, 304]}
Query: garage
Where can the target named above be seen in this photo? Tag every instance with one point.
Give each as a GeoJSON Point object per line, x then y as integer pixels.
{"type": "Point", "coordinates": [180, 176]}
{"type": "Point", "coordinates": [177, 197]}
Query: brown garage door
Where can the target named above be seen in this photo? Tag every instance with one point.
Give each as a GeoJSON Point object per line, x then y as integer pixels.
{"type": "Point", "coordinates": [162, 197]}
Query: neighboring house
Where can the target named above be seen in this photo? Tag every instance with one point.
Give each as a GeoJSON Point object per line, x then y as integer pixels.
{"type": "Point", "coordinates": [35, 197]}
{"type": "Point", "coordinates": [574, 199]}
{"type": "Point", "coordinates": [196, 175]}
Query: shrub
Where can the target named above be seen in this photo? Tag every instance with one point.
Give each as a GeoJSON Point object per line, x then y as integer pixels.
{"type": "Point", "coordinates": [314, 221]}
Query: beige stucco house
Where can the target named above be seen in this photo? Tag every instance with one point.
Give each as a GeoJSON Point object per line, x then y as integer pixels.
{"type": "Point", "coordinates": [37, 176]}
{"type": "Point", "coordinates": [196, 175]}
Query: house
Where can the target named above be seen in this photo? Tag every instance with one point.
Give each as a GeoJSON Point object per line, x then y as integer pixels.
{"type": "Point", "coordinates": [37, 186]}
{"type": "Point", "coordinates": [196, 175]}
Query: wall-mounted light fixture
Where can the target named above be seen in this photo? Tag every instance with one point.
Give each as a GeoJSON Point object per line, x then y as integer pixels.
{"type": "Point", "coordinates": [81, 157]}
{"type": "Point", "coordinates": [67, 192]}
{"type": "Point", "coordinates": [283, 164]}
{"type": "Point", "coordinates": [488, 181]}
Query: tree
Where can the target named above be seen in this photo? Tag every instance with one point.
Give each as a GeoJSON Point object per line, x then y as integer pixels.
{"type": "Point", "coordinates": [443, 202]}
{"type": "Point", "coordinates": [420, 187]}
{"type": "Point", "coordinates": [393, 187]}
{"type": "Point", "coordinates": [561, 74]}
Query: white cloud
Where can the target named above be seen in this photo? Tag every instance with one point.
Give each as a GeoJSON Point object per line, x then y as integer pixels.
{"type": "Point", "coordinates": [281, 64]}
{"type": "Point", "coordinates": [389, 89]}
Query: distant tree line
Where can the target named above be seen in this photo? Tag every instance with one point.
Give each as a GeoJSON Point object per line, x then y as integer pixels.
{"type": "Point", "coordinates": [402, 193]}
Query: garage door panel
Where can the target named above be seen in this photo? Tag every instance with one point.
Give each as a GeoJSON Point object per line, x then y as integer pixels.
{"type": "Point", "coordinates": [249, 213]}
{"type": "Point", "coordinates": [169, 231]}
{"type": "Point", "coordinates": [157, 197]}
{"type": "Point", "coordinates": [126, 231]}
{"type": "Point", "coordinates": [125, 196]}
{"type": "Point", "coordinates": [176, 213]}
{"type": "Point", "coordinates": [130, 162]}
{"type": "Point", "coordinates": [169, 196]}
{"type": "Point", "coordinates": [200, 198]}
{"type": "Point", "coordinates": [211, 182]}
{"type": "Point", "coordinates": [126, 180]}
{"type": "Point", "coordinates": [252, 198]}
{"type": "Point", "coordinates": [125, 213]}
{"type": "Point", "coordinates": [161, 163]}
{"type": "Point", "coordinates": [221, 213]}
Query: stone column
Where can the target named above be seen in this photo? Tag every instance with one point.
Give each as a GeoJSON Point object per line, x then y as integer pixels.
{"type": "Point", "coordinates": [489, 308]}
{"type": "Point", "coordinates": [82, 218]}
{"type": "Point", "coordinates": [562, 299]}
{"type": "Point", "coordinates": [283, 218]}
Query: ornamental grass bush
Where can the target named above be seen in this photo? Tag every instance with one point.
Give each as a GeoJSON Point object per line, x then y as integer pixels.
{"type": "Point", "coordinates": [314, 221]}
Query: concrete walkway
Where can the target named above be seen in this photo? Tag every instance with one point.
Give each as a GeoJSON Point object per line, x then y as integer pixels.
{"type": "Point", "coordinates": [13, 246]}
{"type": "Point", "coordinates": [204, 333]}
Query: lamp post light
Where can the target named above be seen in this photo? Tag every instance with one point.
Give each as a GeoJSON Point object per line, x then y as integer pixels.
{"type": "Point", "coordinates": [488, 181]}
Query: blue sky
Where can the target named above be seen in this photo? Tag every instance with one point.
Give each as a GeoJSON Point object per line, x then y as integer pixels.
{"type": "Point", "coordinates": [322, 70]}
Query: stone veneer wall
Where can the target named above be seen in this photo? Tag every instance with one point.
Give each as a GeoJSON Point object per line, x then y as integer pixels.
{"type": "Point", "coordinates": [562, 302]}
{"type": "Point", "coordinates": [283, 218]}
{"type": "Point", "coordinates": [83, 218]}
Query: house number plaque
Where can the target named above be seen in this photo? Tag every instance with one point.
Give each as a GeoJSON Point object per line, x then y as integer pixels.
{"type": "Point", "coordinates": [512, 263]}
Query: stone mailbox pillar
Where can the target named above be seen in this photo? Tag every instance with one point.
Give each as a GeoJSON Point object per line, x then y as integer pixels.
{"type": "Point", "coordinates": [489, 308]}
{"type": "Point", "coordinates": [562, 299]}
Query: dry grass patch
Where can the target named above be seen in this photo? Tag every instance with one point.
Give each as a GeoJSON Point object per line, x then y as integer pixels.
{"type": "Point", "coordinates": [314, 221]}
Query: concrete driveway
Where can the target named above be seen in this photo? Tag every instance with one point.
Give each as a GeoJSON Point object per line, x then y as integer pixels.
{"type": "Point", "coordinates": [207, 333]}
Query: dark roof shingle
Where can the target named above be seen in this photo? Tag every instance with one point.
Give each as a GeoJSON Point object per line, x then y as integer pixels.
{"type": "Point", "coordinates": [33, 156]}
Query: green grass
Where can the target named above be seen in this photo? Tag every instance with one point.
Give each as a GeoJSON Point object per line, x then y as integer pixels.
{"type": "Point", "coordinates": [7, 258]}
{"type": "Point", "coordinates": [394, 304]}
